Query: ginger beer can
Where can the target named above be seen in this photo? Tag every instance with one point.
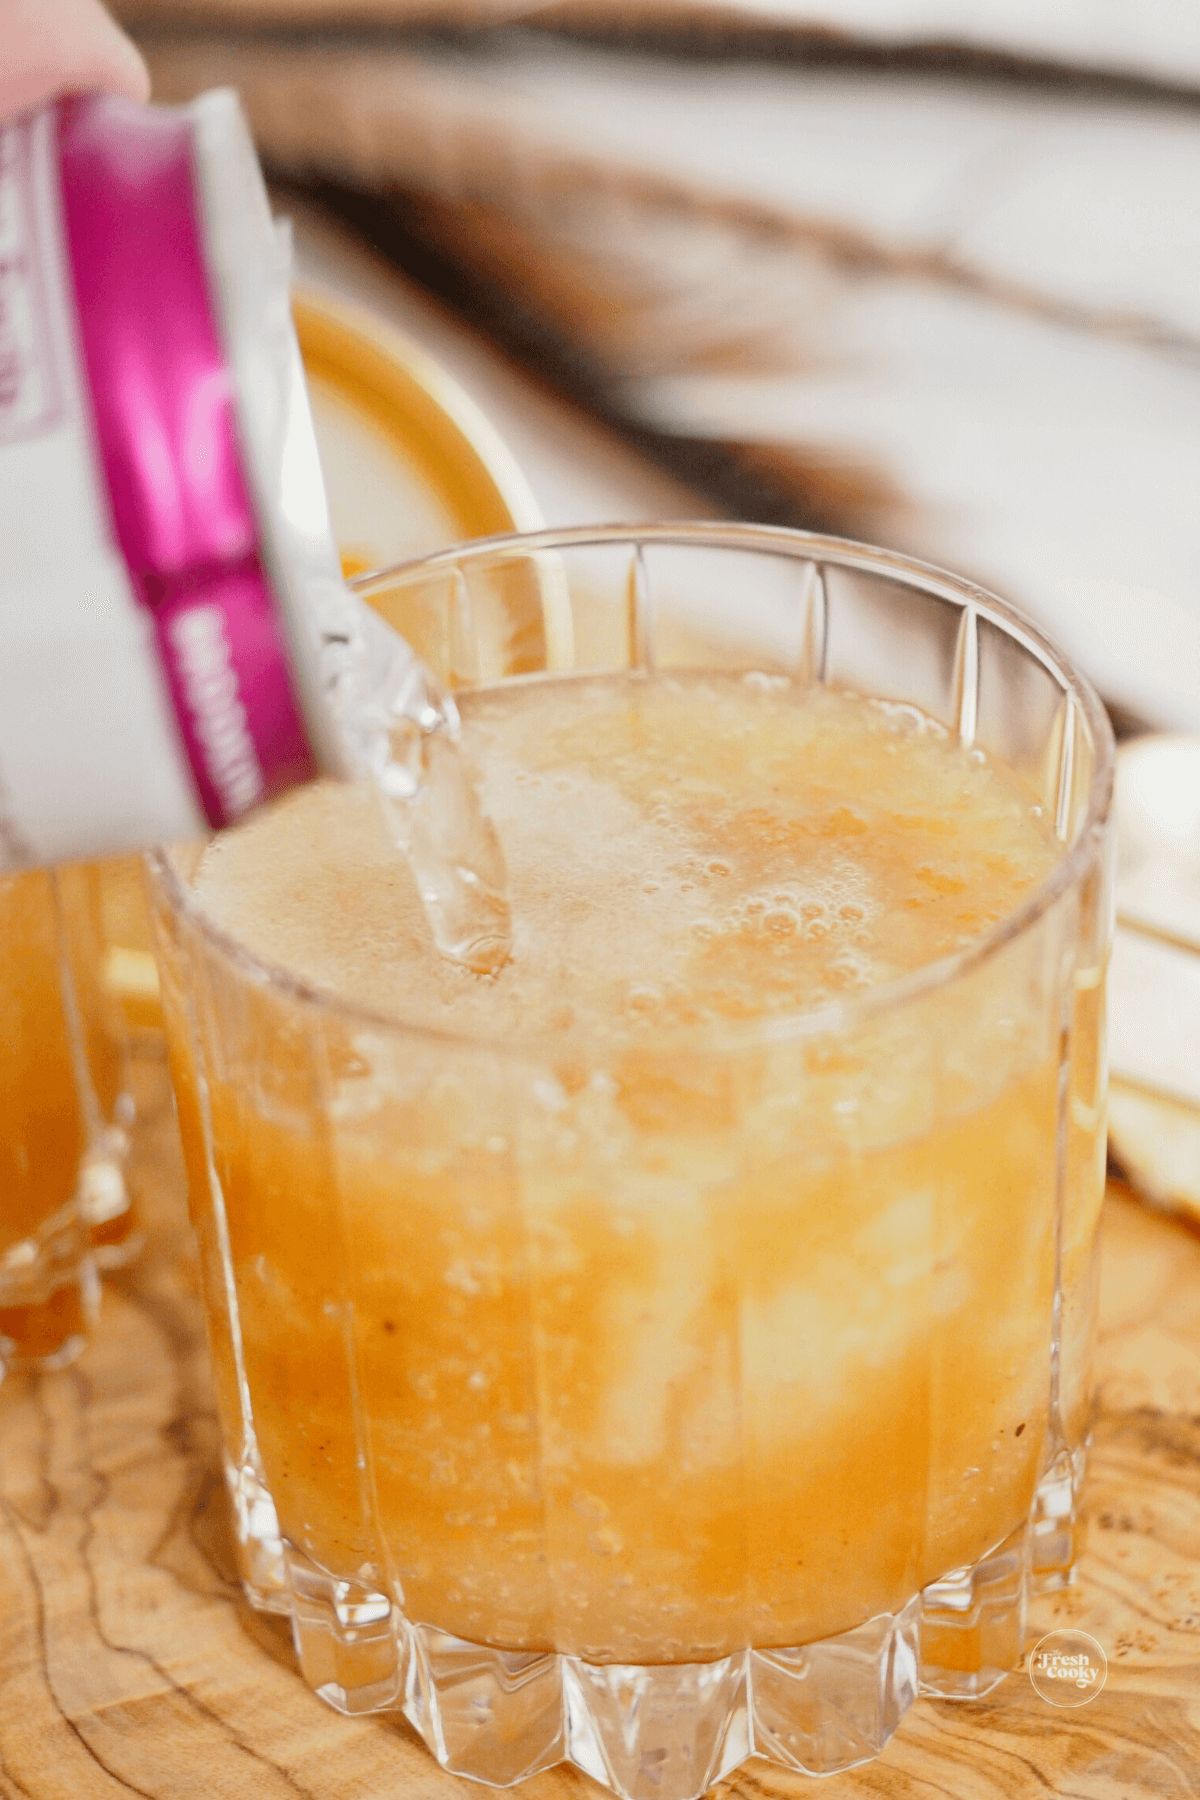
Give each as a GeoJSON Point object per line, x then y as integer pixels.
{"type": "Point", "coordinates": [166, 554]}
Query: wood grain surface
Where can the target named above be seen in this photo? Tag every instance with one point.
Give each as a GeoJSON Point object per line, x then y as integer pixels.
{"type": "Point", "coordinates": [129, 1663]}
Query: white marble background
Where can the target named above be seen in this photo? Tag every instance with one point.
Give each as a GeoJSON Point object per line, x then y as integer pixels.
{"type": "Point", "coordinates": [1155, 38]}
{"type": "Point", "coordinates": [979, 296]}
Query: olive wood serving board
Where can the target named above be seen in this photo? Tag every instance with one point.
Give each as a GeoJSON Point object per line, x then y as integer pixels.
{"type": "Point", "coordinates": [129, 1663]}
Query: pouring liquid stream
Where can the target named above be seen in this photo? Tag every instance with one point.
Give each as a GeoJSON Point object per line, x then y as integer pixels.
{"type": "Point", "coordinates": [403, 731]}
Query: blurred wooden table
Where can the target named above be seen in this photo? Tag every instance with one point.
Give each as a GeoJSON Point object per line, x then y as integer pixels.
{"type": "Point", "coordinates": [129, 1663]}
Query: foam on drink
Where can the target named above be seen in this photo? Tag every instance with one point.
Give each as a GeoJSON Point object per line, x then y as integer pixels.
{"type": "Point", "coordinates": [681, 852]}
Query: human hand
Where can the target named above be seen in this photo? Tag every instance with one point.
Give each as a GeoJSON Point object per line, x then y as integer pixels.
{"type": "Point", "coordinates": [50, 47]}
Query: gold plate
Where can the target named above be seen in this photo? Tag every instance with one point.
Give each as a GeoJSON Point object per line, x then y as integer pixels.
{"type": "Point", "coordinates": [410, 462]}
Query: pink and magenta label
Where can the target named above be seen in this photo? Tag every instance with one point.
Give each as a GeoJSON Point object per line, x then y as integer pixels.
{"type": "Point", "coordinates": [164, 409]}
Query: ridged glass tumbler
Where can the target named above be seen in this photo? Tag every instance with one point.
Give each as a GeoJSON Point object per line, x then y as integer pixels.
{"type": "Point", "coordinates": [657, 1435]}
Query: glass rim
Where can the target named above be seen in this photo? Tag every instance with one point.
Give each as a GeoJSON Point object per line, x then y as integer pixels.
{"type": "Point", "coordinates": [838, 1016]}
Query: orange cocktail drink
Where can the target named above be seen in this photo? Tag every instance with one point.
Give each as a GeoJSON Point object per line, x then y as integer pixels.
{"type": "Point", "coordinates": [654, 1351]}
{"type": "Point", "coordinates": [62, 1200]}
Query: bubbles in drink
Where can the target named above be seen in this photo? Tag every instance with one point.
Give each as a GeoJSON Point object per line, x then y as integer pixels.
{"type": "Point", "coordinates": [681, 851]}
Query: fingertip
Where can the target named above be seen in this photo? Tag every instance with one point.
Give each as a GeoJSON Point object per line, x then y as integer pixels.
{"type": "Point", "coordinates": [131, 75]}
{"type": "Point", "coordinates": [120, 65]}
{"type": "Point", "coordinates": [52, 47]}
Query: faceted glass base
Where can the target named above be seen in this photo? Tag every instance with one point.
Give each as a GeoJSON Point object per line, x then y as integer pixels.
{"type": "Point", "coordinates": [49, 1294]}
{"type": "Point", "coordinates": [668, 1731]}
